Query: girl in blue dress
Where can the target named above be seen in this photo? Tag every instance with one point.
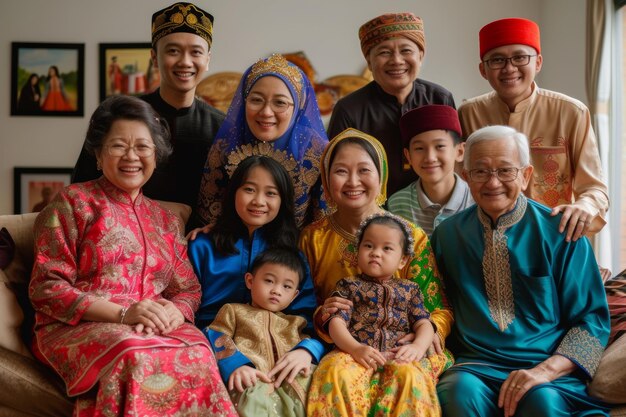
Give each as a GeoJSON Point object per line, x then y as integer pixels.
{"type": "Point", "coordinates": [258, 213]}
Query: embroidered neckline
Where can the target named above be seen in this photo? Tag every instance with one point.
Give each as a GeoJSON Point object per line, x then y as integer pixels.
{"type": "Point", "coordinates": [117, 194]}
{"type": "Point", "coordinates": [340, 230]}
{"type": "Point", "coordinates": [508, 219]}
{"type": "Point", "coordinates": [496, 264]}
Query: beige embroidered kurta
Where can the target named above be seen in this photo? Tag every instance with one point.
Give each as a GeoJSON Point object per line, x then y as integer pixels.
{"type": "Point", "coordinates": [564, 150]}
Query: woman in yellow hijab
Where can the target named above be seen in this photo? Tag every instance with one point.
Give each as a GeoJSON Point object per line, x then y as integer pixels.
{"type": "Point", "coordinates": [354, 177]}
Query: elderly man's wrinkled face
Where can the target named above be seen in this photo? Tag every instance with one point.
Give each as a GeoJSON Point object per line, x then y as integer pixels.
{"type": "Point", "coordinates": [495, 196]}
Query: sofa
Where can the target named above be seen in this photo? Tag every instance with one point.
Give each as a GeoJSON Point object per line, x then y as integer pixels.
{"type": "Point", "coordinates": [31, 389]}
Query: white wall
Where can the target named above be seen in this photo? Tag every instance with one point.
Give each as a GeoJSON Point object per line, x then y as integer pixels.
{"type": "Point", "coordinates": [249, 29]}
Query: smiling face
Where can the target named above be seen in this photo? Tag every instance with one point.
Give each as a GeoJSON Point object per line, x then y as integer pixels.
{"type": "Point", "coordinates": [495, 197]}
{"type": "Point", "coordinates": [273, 287]}
{"type": "Point", "coordinates": [264, 123]}
{"type": "Point", "coordinates": [182, 59]}
{"type": "Point", "coordinates": [395, 64]}
{"type": "Point", "coordinates": [513, 84]}
{"type": "Point", "coordinates": [381, 251]}
{"type": "Point", "coordinates": [433, 155]}
{"type": "Point", "coordinates": [257, 200]}
{"type": "Point", "coordinates": [353, 179]}
{"type": "Point", "coordinates": [128, 172]}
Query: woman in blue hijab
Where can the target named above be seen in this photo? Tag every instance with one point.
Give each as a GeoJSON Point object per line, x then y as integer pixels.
{"type": "Point", "coordinates": [274, 112]}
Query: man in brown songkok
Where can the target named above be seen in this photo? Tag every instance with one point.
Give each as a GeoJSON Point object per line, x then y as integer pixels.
{"type": "Point", "coordinates": [393, 45]}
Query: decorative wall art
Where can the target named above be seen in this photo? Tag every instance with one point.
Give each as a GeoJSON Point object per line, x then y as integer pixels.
{"type": "Point", "coordinates": [126, 68]}
{"type": "Point", "coordinates": [34, 187]}
{"type": "Point", "coordinates": [47, 79]}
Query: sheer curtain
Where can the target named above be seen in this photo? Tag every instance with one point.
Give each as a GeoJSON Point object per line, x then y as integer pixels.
{"type": "Point", "coordinates": [598, 73]}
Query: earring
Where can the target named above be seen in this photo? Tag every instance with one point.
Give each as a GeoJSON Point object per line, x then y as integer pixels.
{"type": "Point", "coordinates": [98, 166]}
{"type": "Point", "coordinates": [332, 206]}
{"type": "Point", "coordinates": [380, 200]}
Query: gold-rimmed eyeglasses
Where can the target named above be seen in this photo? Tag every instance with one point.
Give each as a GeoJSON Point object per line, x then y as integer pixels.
{"type": "Point", "coordinates": [277, 105]}
{"type": "Point", "coordinates": [502, 174]}
{"type": "Point", "coordinates": [142, 150]}
{"type": "Point", "coordinates": [516, 60]}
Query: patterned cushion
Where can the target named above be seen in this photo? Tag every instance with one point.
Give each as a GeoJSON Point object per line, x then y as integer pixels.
{"type": "Point", "coordinates": [608, 382]}
{"type": "Point", "coordinates": [616, 296]}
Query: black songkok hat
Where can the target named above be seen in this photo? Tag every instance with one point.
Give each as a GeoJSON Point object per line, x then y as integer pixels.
{"type": "Point", "coordinates": [182, 17]}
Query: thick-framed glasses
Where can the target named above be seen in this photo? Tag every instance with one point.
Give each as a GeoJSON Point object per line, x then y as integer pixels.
{"type": "Point", "coordinates": [503, 174]}
{"type": "Point", "coordinates": [142, 150]}
{"type": "Point", "coordinates": [515, 60]}
{"type": "Point", "coordinates": [277, 105]}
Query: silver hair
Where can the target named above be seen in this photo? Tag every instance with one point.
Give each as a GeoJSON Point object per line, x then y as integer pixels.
{"type": "Point", "coordinates": [498, 133]}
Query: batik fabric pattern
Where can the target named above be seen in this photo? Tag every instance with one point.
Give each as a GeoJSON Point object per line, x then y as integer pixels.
{"type": "Point", "coordinates": [92, 243]}
{"type": "Point", "coordinates": [298, 149]}
{"type": "Point", "coordinates": [242, 335]}
{"type": "Point", "coordinates": [534, 296]}
{"type": "Point", "coordinates": [563, 146]}
{"type": "Point", "coordinates": [382, 313]}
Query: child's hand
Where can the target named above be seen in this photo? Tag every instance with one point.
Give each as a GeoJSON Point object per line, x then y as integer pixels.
{"type": "Point", "coordinates": [368, 356]}
{"type": "Point", "coordinates": [408, 353]}
{"type": "Point", "coordinates": [292, 363]}
{"type": "Point", "coordinates": [246, 377]}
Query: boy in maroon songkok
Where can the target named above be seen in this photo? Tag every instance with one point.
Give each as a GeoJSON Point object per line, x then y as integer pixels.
{"type": "Point", "coordinates": [432, 144]}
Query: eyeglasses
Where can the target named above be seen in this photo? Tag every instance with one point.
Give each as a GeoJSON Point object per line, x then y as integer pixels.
{"type": "Point", "coordinates": [276, 104]}
{"type": "Point", "coordinates": [515, 60]}
{"type": "Point", "coordinates": [503, 174]}
{"type": "Point", "coordinates": [142, 150]}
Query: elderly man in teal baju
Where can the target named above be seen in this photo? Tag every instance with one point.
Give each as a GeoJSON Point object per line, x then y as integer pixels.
{"type": "Point", "coordinates": [531, 318]}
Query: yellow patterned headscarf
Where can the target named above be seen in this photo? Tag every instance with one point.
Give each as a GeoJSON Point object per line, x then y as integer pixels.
{"type": "Point", "coordinates": [380, 152]}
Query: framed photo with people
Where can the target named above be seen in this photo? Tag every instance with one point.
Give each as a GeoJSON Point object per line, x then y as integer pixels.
{"type": "Point", "coordinates": [126, 68]}
{"type": "Point", "coordinates": [34, 187]}
{"type": "Point", "coordinates": [47, 79]}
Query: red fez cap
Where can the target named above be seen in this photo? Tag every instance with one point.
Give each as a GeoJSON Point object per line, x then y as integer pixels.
{"type": "Point", "coordinates": [428, 117]}
{"type": "Point", "coordinates": [509, 32]}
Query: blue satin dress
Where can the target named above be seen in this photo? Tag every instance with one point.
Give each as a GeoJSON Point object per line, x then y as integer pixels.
{"type": "Point", "coordinates": [222, 278]}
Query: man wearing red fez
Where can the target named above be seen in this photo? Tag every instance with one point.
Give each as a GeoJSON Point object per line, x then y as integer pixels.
{"type": "Point", "coordinates": [432, 144]}
{"type": "Point", "coordinates": [568, 174]}
{"type": "Point", "coordinates": [393, 45]}
{"type": "Point", "coordinates": [182, 35]}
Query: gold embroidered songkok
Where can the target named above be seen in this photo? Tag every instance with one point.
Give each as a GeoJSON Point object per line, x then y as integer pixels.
{"type": "Point", "coordinates": [182, 17]}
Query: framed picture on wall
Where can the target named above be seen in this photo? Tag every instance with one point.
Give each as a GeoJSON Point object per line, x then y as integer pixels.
{"type": "Point", "coordinates": [47, 79]}
{"type": "Point", "coordinates": [35, 187]}
{"type": "Point", "coordinates": [126, 68]}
